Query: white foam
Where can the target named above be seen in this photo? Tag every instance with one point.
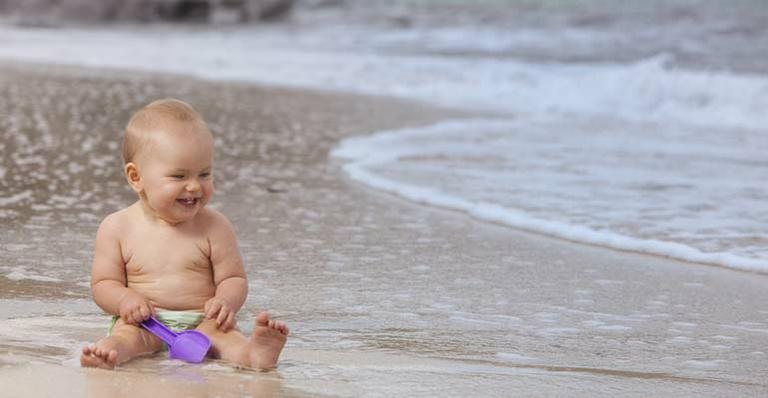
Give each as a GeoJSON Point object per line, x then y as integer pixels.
{"type": "Point", "coordinates": [21, 273]}
{"type": "Point", "coordinates": [644, 90]}
{"type": "Point", "coordinates": [471, 321]}
{"type": "Point", "coordinates": [680, 340]}
{"type": "Point", "coordinates": [637, 179]}
{"type": "Point", "coordinates": [368, 156]}
{"type": "Point", "coordinates": [700, 364]}
{"type": "Point", "coordinates": [558, 331]}
{"type": "Point", "coordinates": [614, 328]}
{"type": "Point", "coordinates": [513, 357]}
{"type": "Point", "coordinates": [16, 198]}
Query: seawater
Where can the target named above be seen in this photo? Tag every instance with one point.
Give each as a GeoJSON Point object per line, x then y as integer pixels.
{"type": "Point", "coordinates": [630, 186]}
{"type": "Point", "coordinates": [645, 138]}
{"type": "Point", "coordinates": [646, 148]}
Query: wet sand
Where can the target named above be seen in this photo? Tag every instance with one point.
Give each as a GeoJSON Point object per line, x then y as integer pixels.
{"type": "Point", "coordinates": [384, 297]}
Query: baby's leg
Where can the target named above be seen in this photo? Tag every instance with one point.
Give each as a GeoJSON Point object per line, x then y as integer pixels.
{"type": "Point", "coordinates": [260, 350]}
{"type": "Point", "coordinates": [125, 343]}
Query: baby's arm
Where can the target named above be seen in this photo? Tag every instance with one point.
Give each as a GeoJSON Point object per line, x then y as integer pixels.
{"type": "Point", "coordinates": [108, 281]}
{"type": "Point", "coordinates": [228, 274]}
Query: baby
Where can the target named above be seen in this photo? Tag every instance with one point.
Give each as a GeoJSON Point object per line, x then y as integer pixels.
{"type": "Point", "coordinates": [168, 254]}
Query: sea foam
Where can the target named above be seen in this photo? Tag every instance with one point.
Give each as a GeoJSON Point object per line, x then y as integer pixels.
{"type": "Point", "coordinates": [641, 156]}
{"type": "Point", "coordinates": [547, 182]}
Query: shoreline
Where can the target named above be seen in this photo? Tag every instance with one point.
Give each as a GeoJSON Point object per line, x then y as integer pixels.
{"type": "Point", "coordinates": [410, 293]}
{"type": "Point", "coordinates": [357, 165]}
{"type": "Point", "coordinates": [435, 114]}
{"type": "Point", "coordinates": [633, 98]}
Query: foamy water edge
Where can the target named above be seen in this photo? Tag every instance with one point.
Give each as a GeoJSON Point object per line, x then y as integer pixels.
{"type": "Point", "coordinates": [646, 90]}
{"type": "Point", "coordinates": [358, 156]}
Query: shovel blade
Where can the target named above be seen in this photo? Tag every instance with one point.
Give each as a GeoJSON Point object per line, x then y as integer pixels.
{"type": "Point", "coordinates": [190, 346]}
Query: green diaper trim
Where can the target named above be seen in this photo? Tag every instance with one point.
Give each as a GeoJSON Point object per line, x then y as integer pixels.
{"type": "Point", "coordinates": [178, 321]}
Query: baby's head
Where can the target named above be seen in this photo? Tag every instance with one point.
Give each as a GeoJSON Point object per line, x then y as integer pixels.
{"type": "Point", "coordinates": [165, 116]}
{"type": "Point", "coordinates": [168, 156]}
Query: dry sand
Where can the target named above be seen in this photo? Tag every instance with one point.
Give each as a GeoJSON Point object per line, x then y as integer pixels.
{"type": "Point", "coordinates": [385, 297]}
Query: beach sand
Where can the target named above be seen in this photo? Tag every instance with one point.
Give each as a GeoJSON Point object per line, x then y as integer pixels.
{"type": "Point", "coordinates": [384, 297]}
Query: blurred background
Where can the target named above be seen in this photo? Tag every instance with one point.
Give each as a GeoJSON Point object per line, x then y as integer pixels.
{"type": "Point", "coordinates": [699, 33]}
{"type": "Point", "coordinates": [54, 12]}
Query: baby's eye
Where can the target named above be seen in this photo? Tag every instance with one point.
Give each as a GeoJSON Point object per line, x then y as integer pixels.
{"type": "Point", "coordinates": [205, 175]}
{"type": "Point", "coordinates": [177, 176]}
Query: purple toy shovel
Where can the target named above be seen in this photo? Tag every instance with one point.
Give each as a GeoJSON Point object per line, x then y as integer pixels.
{"type": "Point", "coordinates": [189, 346]}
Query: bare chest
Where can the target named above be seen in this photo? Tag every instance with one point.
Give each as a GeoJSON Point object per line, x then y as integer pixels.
{"type": "Point", "coordinates": [166, 252]}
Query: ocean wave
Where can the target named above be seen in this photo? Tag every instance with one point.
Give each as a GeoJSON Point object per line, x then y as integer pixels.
{"type": "Point", "coordinates": [438, 165]}
{"type": "Point", "coordinates": [680, 150]}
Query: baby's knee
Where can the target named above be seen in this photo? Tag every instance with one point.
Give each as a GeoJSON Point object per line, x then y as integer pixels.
{"type": "Point", "coordinates": [136, 338]}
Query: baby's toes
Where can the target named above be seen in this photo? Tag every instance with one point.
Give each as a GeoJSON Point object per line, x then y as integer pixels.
{"type": "Point", "coordinates": [100, 352]}
{"type": "Point", "coordinates": [111, 358]}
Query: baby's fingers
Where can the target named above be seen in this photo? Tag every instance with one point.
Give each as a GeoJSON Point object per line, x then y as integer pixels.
{"type": "Point", "coordinates": [144, 312]}
{"type": "Point", "coordinates": [138, 315]}
{"type": "Point", "coordinates": [228, 323]}
{"type": "Point", "coordinates": [206, 307]}
{"type": "Point", "coordinates": [130, 317]}
{"type": "Point", "coordinates": [224, 316]}
{"type": "Point", "coordinates": [214, 308]}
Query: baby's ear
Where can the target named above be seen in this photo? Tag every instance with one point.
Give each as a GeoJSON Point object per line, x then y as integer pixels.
{"type": "Point", "coordinates": [133, 177]}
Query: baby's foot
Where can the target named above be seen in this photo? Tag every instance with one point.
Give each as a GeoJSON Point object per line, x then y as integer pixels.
{"type": "Point", "coordinates": [266, 342]}
{"type": "Point", "coordinates": [99, 355]}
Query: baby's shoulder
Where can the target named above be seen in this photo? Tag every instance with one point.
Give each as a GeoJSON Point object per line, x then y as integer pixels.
{"type": "Point", "coordinates": [214, 222]}
{"type": "Point", "coordinates": [122, 218]}
{"type": "Point", "coordinates": [117, 221]}
{"type": "Point", "coordinates": [212, 217]}
{"type": "Point", "coordinates": [122, 215]}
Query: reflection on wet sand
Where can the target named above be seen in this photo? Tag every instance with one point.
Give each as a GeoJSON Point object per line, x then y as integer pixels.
{"type": "Point", "coordinates": [148, 380]}
{"type": "Point", "coordinates": [181, 380]}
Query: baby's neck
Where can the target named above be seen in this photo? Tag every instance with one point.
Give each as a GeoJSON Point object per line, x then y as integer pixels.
{"type": "Point", "coordinates": [151, 216]}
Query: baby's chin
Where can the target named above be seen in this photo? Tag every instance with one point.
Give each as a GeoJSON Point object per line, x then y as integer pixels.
{"type": "Point", "coordinates": [182, 213]}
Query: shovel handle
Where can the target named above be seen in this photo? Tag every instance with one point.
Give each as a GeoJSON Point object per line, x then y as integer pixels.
{"type": "Point", "coordinates": [158, 329]}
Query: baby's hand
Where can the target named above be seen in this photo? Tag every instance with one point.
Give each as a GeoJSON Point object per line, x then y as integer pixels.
{"type": "Point", "coordinates": [134, 308]}
{"type": "Point", "coordinates": [218, 309]}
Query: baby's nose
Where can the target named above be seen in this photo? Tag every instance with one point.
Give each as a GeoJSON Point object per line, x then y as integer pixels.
{"type": "Point", "coordinates": [193, 186]}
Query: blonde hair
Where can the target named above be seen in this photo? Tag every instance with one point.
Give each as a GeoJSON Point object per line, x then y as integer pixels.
{"type": "Point", "coordinates": [156, 115]}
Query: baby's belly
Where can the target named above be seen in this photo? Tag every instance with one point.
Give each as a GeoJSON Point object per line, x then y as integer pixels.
{"type": "Point", "coordinates": [176, 292]}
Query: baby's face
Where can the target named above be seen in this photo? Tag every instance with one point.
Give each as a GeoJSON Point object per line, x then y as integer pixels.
{"type": "Point", "coordinates": [176, 174]}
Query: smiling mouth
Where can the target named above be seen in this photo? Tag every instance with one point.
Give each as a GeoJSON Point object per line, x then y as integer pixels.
{"type": "Point", "coordinates": [188, 201]}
